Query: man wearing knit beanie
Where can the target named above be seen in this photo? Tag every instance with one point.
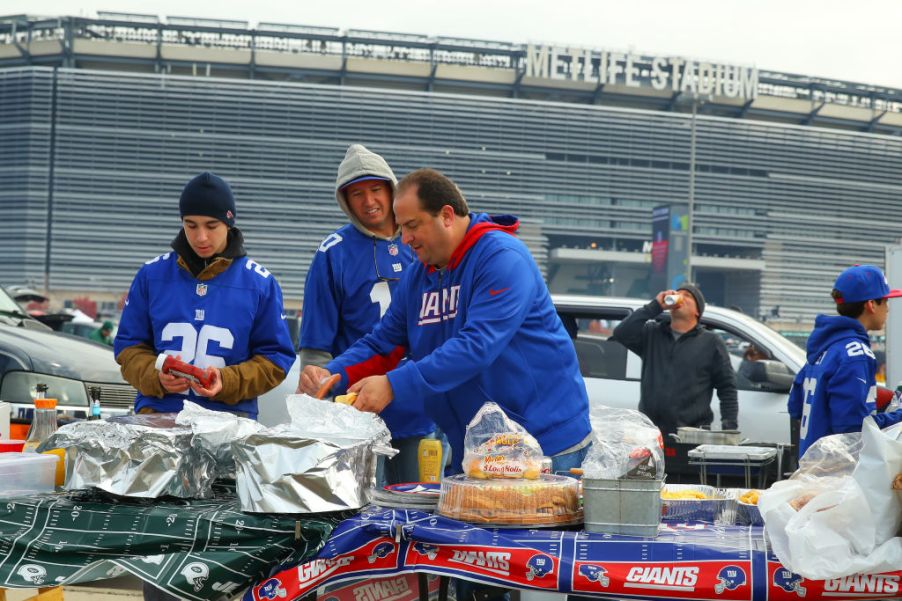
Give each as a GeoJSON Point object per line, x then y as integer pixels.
{"type": "Point", "coordinates": [208, 304]}
{"type": "Point", "coordinates": [682, 362]}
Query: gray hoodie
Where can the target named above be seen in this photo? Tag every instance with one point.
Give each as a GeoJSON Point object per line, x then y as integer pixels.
{"type": "Point", "coordinates": [359, 162]}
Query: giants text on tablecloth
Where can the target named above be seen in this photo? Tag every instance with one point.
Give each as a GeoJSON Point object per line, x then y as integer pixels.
{"type": "Point", "coordinates": [497, 562]}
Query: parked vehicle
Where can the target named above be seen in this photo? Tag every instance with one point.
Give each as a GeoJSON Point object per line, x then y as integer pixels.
{"type": "Point", "coordinates": [612, 372]}
{"type": "Point", "coordinates": [32, 353]}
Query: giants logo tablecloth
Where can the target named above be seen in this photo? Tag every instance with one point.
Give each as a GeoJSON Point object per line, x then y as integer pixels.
{"type": "Point", "coordinates": [685, 561]}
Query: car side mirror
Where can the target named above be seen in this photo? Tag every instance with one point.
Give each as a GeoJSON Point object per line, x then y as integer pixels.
{"type": "Point", "coordinates": [772, 376]}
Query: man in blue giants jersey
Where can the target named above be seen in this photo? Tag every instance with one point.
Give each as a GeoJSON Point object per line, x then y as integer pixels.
{"type": "Point", "coordinates": [349, 288]}
{"type": "Point", "coordinates": [837, 388]}
{"type": "Point", "coordinates": [479, 324]}
{"type": "Point", "coordinates": [208, 304]}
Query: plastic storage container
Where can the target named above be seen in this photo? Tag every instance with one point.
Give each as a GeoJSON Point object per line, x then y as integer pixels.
{"type": "Point", "coordinates": [631, 507]}
{"type": "Point", "coordinates": [546, 501]}
{"type": "Point", "coordinates": [23, 473]}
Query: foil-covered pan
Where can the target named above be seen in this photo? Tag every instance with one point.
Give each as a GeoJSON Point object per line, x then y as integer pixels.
{"type": "Point", "coordinates": [324, 460]}
{"type": "Point", "coordinates": [715, 505]}
{"type": "Point", "coordinates": [144, 456]}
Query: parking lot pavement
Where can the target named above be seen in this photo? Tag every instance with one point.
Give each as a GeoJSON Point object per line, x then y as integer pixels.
{"type": "Point", "coordinates": [122, 588]}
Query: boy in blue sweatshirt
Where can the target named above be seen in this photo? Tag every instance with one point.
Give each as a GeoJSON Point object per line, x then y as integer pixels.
{"type": "Point", "coordinates": [479, 324]}
{"type": "Point", "coordinates": [837, 388]}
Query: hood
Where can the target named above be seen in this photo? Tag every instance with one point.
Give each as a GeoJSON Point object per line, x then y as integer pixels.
{"type": "Point", "coordinates": [832, 328]}
{"type": "Point", "coordinates": [480, 225]}
{"type": "Point", "coordinates": [59, 354]}
{"type": "Point", "coordinates": [234, 249]}
{"type": "Point", "coordinates": [358, 162]}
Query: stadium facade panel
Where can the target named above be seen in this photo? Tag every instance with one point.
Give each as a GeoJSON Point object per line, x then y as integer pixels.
{"type": "Point", "coordinates": [94, 161]}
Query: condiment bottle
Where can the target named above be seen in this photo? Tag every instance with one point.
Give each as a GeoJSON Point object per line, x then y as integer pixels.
{"type": "Point", "coordinates": [43, 423]}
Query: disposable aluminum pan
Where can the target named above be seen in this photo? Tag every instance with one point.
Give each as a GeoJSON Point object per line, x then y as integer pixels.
{"type": "Point", "coordinates": [701, 436]}
{"type": "Point", "coordinates": [717, 506]}
{"type": "Point", "coordinates": [281, 472]}
{"type": "Point", "coordinates": [146, 456]}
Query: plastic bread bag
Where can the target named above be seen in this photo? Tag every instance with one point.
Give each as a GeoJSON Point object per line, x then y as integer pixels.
{"type": "Point", "coordinates": [833, 456]}
{"type": "Point", "coordinates": [626, 445]}
{"type": "Point", "coordinates": [495, 446]}
{"type": "Point", "coordinates": [829, 520]}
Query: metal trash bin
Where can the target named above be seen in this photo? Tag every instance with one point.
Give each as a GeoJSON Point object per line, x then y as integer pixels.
{"type": "Point", "coordinates": [631, 507]}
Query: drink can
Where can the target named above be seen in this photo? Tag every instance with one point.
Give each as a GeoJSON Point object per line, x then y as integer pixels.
{"type": "Point", "coordinates": [672, 300]}
{"type": "Point", "coordinates": [546, 465]}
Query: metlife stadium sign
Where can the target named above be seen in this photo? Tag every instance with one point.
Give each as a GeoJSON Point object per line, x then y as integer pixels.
{"type": "Point", "coordinates": [660, 73]}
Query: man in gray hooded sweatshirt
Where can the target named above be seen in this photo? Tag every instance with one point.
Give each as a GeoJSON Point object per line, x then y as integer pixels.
{"type": "Point", "coordinates": [349, 287]}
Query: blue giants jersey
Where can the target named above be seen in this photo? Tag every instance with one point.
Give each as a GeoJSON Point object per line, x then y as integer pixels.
{"type": "Point", "coordinates": [218, 322]}
{"type": "Point", "coordinates": [836, 389]}
{"type": "Point", "coordinates": [348, 289]}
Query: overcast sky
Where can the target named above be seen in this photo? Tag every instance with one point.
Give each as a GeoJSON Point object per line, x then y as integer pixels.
{"type": "Point", "coordinates": [850, 40]}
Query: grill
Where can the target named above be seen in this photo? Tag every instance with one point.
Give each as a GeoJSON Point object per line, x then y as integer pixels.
{"type": "Point", "coordinates": [121, 396]}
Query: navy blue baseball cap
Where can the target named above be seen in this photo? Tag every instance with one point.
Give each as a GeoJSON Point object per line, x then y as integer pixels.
{"type": "Point", "coordinates": [863, 283]}
{"type": "Point", "coordinates": [364, 178]}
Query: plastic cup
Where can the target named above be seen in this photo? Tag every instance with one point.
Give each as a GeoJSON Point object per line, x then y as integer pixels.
{"type": "Point", "coordinates": [9, 445]}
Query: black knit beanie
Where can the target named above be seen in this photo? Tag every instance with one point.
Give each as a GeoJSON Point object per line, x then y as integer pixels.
{"type": "Point", "coordinates": [697, 295]}
{"type": "Point", "coordinates": [208, 195]}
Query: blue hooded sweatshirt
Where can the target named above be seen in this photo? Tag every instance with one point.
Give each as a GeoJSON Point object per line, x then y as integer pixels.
{"type": "Point", "coordinates": [837, 388]}
{"type": "Point", "coordinates": [481, 329]}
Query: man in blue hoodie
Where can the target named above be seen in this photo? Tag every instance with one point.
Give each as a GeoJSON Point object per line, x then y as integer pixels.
{"type": "Point", "coordinates": [479, 324]}
{"type": "Point", "coordinates": [837, 388]}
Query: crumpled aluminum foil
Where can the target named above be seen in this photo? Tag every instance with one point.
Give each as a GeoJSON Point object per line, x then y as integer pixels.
{"type": "Point", "coordinates": [146, 455]}
{"type": "Point", "coordinates": [152, 455]}
{"type": "Point", "coordinates": [214, 432]}
{"type": "Point", "coordinates": [324, 460]}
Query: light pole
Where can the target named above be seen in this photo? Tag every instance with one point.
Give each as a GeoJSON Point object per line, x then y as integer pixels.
{"type": "Point", "coordinates": [697, 100]}
{"type": "Point", "coordinates": [691, 203]}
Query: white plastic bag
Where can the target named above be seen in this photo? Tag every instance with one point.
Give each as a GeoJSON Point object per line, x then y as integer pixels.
{"type": "Point", "coordinates": [625, 444]}
{"type": "Point", "coordinates": [849, 524]}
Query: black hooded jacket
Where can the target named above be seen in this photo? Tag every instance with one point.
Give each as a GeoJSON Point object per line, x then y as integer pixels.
{"type": "Point", "coordinates": [679, 375]}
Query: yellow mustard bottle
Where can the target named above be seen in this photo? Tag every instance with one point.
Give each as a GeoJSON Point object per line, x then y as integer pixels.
{"type": "Point", "coordinates": [429, 460]}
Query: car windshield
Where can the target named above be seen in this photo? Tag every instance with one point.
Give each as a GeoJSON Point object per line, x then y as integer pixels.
{"type": "Point", "coordinates": [8, 305]}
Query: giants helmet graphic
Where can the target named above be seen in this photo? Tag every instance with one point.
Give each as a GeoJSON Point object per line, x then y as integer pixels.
{"type": "Point", "coordinates": [789, 582]}
{"type": "Point", "coordinates": [539, 566]}
{"type": "Point", "coordinates": [381, 550]}
{"type": "Point", "coordinates": [426, 549]}
{"type": "Point", "coordinates": [729, 578]}
{"type": "Point", "coordinates": [32, 573]}
{"type": "Point", "coordinates": [196, 573]}
{"type": "Point", "coordinates": [271, 589]}
{"type": "Point", "coordinates": [595, 574]}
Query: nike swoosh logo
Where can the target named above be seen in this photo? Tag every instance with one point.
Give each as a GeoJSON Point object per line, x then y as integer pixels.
{"type": "Point", "coordinates": [283, 316]}
{"type": "Point", "coordinates": [862, 380]}
{"type": "Point", "coordinates": [497, 292]}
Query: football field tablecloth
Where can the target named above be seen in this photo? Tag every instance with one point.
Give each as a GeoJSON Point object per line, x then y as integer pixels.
{"type": "Point", "coordinates": [685, 561]}
{"type": "Point", "coordinates": [200, 549]}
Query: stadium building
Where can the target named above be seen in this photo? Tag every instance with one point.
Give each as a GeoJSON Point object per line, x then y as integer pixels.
{"type": "Point", "coordinates": [786, 179]}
